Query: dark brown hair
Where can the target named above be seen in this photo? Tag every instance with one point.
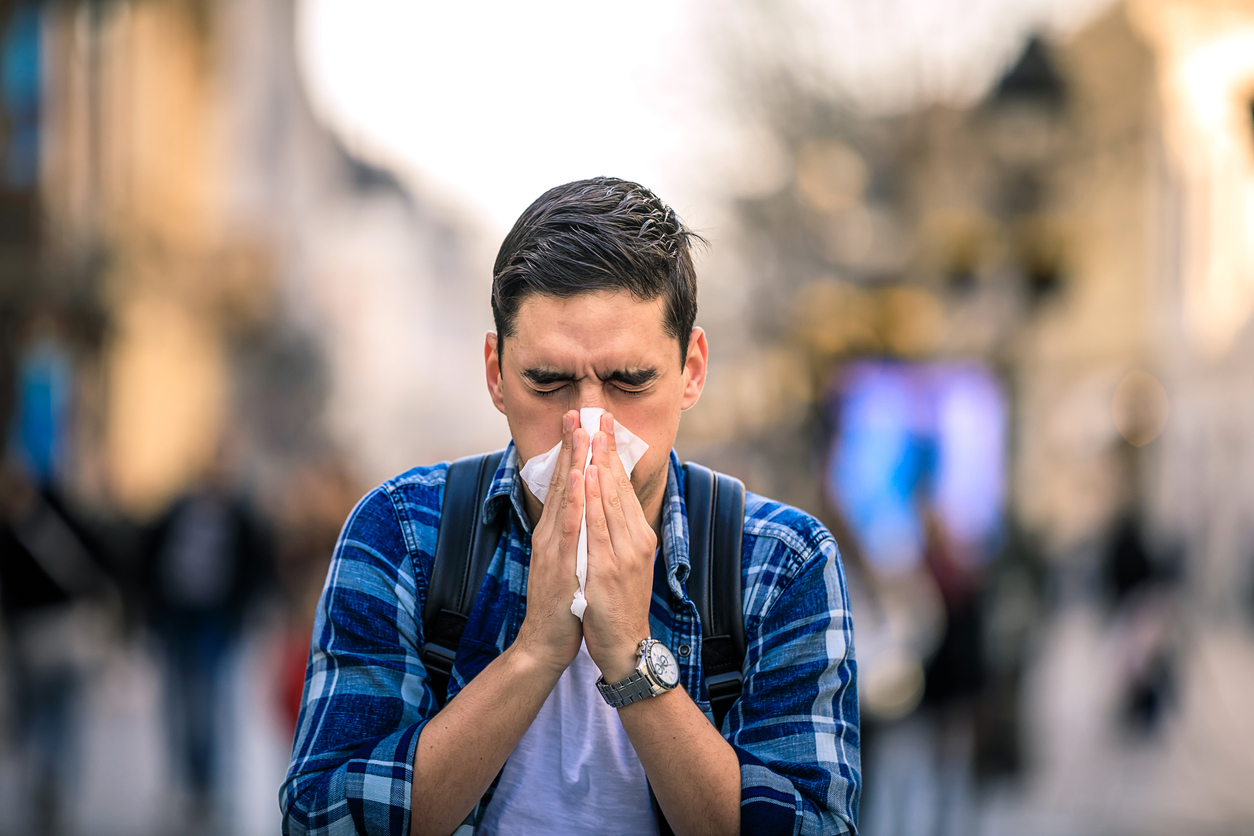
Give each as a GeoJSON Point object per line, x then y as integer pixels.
{"type": "Point", "coordinates": [598, 234]}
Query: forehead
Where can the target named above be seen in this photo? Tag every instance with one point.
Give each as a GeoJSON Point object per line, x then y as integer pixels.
{"type": "Point", "coordinates": [610, 327]}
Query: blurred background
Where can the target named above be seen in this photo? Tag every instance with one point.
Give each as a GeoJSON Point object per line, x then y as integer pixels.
{"type": "Point", "coordinates": [978, 291]}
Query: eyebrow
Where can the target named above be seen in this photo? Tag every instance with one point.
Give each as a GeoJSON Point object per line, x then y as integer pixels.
{"type": "Point", "coordinates": [625, 377]}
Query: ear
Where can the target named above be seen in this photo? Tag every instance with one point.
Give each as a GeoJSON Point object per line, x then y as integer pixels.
{"type": "Point", "coordinates": [694, 367]}
{"type": "Point", "coordinates": [492, 368]}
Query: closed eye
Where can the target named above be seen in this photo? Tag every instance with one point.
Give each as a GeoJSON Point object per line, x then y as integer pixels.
{"type": "Point", "coordinates": [633, 380]}
{"type": "Point", "coordinates": [546, 381]}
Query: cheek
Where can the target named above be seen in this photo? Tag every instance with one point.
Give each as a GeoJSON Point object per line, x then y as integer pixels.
{"type": "Point", "coordinates": [657, 427]}
{"type": "Point", "coordinates": [656, 420]}
{"type": "Point", "coordinates": [534, 424]}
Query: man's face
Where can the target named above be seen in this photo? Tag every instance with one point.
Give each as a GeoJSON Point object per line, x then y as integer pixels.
{"type": "Point", "coordinates": [602, 349]}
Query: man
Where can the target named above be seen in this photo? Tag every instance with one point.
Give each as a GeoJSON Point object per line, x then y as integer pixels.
{"type": "Point", "coordinates": [594, 299]}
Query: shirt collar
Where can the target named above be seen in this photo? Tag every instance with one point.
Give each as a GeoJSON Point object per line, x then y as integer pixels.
{"type": "Point", "coordinates": [675, 528]}
{"type": "Point", "coordinates": [674, 543]}
{"type": "Point", "coordinates": [506, 486]}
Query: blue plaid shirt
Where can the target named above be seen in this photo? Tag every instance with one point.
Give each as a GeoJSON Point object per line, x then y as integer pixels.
{"type": "Point", "coordinates": [366, 700]}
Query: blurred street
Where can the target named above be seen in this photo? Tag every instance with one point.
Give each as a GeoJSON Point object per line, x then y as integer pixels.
{"type": "Point", "coordinates": [1193, 778]}
{"type": "Point", "coordinates": [1086, 778]}
{"type": "Point", "coordinates": [124, 783]}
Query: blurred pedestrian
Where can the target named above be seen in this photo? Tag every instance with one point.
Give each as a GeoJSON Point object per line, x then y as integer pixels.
{"type": "Point", "coordinates": [313, 508]}
{"type": "Point", "coordinates": [58, 601]}
{"type": "Point", "coordinates": [209, 557]}
{"type": "Point", "coordinates": [59, 607]}
{"type": "Point", "coordinates": [954, 674]}
{"type": "Point", "coordinates": [1140, 588]}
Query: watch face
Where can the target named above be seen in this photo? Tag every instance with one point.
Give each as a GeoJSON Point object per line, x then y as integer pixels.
{"type": "Point", "coordinates": [662, 665]}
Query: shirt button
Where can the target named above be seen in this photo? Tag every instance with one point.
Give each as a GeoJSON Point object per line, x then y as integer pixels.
{"type": "Point", "coordinates": [684, 650]}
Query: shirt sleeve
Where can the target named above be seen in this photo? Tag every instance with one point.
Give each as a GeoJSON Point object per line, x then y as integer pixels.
{"type": "Point", "coordinates": [795, 726]}
{"type": "Point", "coordinates": [366, 695]}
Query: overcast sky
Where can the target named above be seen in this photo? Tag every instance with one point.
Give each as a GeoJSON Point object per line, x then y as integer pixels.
{"type": "Point", "coordinates": [487, 104]}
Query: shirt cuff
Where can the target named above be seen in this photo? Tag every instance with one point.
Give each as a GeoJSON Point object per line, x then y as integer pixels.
{"type": "Point", "coordinates": [770, 803]}
{"type": "Point", "coordinates": [368, 792]}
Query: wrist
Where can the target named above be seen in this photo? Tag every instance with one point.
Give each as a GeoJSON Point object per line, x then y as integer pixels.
{"type": "Point", "coordinates": [620, 664]}
{"type": "Point", "coordinates": [534, 661]}
{"type": "Point", "coordinates": [619, 661]}
{"type": "Point", "coordinates": [656, 673]}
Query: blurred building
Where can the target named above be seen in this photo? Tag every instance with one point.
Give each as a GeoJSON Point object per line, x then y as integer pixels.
{"type": "Point", "coordinates": [1086, 219]}
{"type": "Point", "coordinates": [229, 268]}
{"type": "Point", "coordinates": [195, 271]}
{"type": "Point", "coordinates": [1204, 287]}
{"type": "Point", "coordinates": [1082, 235]}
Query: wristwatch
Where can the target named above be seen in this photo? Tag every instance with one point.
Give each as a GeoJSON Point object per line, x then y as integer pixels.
{"type": "Point", "coordinates": [656, 673]}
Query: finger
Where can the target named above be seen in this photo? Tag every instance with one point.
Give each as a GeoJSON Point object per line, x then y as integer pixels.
{"type": "Point", "coordinates": [599, 541]}
{"type": "Point", "coordinates": [557, 483]}
{"type": "Point", "coordinates": [615, 515]}
{"type": "Point", "coordinates": [577, 456]}
{"type": "Point", "coordinates": [632, 512]}
{"type": "Point", "coordinates": [609, 497]}
{"type": "Point", "coordinates": [579, 452]}
{"type": "Point", "coordinates": [572, 506]}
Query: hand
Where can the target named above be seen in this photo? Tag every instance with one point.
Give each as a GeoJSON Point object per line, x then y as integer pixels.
{"type": "Point", "coordinates": [621, 546]}
{"type": "Point", "coordinates": [550, 632]}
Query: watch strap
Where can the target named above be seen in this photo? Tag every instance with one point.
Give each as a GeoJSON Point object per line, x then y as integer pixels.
{"type": "Point", "coordinates": [626, 691]}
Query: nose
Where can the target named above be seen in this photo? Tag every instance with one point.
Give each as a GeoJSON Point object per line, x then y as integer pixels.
{"type": "Point", "coordinates": [591, 394]}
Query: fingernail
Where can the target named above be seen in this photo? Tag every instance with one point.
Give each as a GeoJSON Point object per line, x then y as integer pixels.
{"type": "Point", "coordinates": [592, 475]}
{"type": "Point", "coordinates": [605, 444]}
{"type": "Point", "coordinates": [568, 423]}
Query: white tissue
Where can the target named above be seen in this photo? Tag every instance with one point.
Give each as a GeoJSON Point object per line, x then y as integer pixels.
{"type": "Point", "coordinates": [538, 473]}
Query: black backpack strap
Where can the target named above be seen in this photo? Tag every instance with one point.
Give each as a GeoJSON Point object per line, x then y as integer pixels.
{"type": "Point", "coordinates": [716, 520]}
{"type": "Point", "coordinates": [463, 550]}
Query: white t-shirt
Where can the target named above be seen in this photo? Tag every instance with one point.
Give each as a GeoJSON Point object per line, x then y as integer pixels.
{"type": "Point", "coordinates": [574, 771]}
